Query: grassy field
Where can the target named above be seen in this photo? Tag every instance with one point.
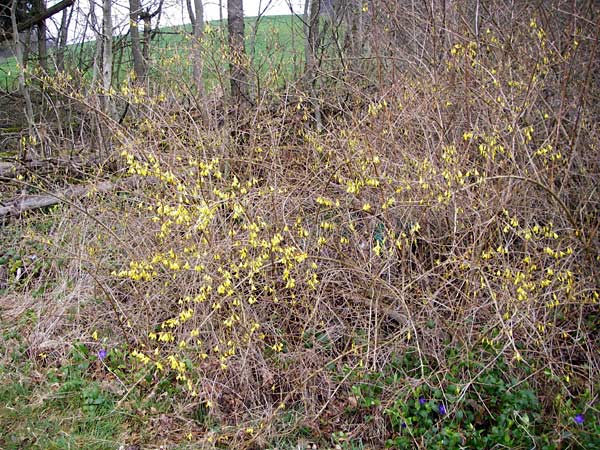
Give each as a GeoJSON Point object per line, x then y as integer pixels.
{"type": "Point", "coordinates": [274, 44]}
{"type": "Point", "coordinates": [8, 73]}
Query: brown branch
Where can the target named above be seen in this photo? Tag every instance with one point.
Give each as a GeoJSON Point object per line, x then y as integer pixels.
{"type": "Point", "coordinates": [20, 205]}
{"type": "Point", "coordinates": [7, 35]}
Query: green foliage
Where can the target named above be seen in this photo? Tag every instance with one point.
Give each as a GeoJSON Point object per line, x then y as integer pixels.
{"type": "Point", "coordinates": [64, 409]}
{"type": "Point", "coordinates": [476, 404]}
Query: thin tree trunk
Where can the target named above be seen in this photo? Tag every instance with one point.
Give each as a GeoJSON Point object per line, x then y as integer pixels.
{"type": "Point", "coordinates": [107, 56]}
{"type": "Point", "coordinates": [312, 44]}
{"type": "Point", "coordinates": [26, 41]}
{"type": "Point", "coordinates": [41, 36]}
{"type": "Point", "coordinates": [313, 35]}
{"type": "Point", "coordinates": [139, 66]}
{"type": "Point", "coordinates": [21, 67]}
{"type": "Point", "coordinates": [62, 38]}
{"type": "Point", "coordinates": [191, 14]}
{"type": "Point", "coordinates": [198, 28]}
{"type": "Point", "coordinates": [306, 26]}
{"type": "Point", "coordinates": [97, 67]}
{"type": "Point", "coordinates": [147, 19]}
{"type": "Point", "coordinates": [238, 75]}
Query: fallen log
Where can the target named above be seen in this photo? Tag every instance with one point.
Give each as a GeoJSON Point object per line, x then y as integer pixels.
{"type": "Point", "coordinates": [18, 206]}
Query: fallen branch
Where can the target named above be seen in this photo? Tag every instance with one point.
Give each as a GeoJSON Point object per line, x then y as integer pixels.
{"type": "Point", "coordinates": [16, 207]}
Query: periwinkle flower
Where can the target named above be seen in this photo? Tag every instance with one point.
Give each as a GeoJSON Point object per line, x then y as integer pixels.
{"type": "Point", "coordinates": [422, 401]}
{"type": "Point", "coordinates": [442, 409]}
{"type": "Point", "coordinates": [579, 419]}
{"type": "Point", "coordinates": [102, 354]}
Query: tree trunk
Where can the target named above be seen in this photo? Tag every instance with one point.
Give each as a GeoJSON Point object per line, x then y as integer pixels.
{"type": "Point", "coordinates": [306, 27]}
{"type": "Point", "coordinates": [26, 46]}
{"type": "Point", "coordinates": [312, 35]}
{"type": "Point", "coordinates": [68, 195]}
{"type": "Point", "coordinates": [95, 25]}
{"type": "Point", "coordinates": [21, 68]}
{"type": "Point", "coordinates": [147, 19]}
{"type": "Point", "coordinates": [354, 35]}
{"type": "Point", "coordinates": [40, 8]}
{"type": "Point", "coordinates": [139, 65]}
{"type": "Point", "coordinates": [237, 70]}
{"type": "Point", "coordinates": [63, 34]}
{"type": "Point", "coordinates": [191, 14]}
{"type": "Point", "coordinates": [198, 26]}
{"type": "Point", "coordinates": [312, 11]}
{"type": "Point", "coordinates": [107, 56]}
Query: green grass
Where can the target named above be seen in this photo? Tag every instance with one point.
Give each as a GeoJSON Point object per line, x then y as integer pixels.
{"type": "Point", "coordinates": [274, 45]}
{"type": "Point", "coordinates": [74, 402]}
{"type": "Point", "coordinates": [8, 73]}
{"type": "Point", "coordinates": [56, 407]}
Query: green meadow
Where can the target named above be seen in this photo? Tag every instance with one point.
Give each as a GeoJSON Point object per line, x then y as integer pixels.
{"type": "Point", "coordinates": [274, 45]}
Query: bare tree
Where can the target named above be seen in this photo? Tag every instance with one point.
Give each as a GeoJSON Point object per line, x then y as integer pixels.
{"type": "Point", "coordinates": [197, 19]}
{"type": "Point", "coordinates": [312, 10]}
{"type": "Point", "coordinates": [107, 55]}
{"type": "Point", "coordinates": [40, 8]}
{"type": "Point", "coordinates": [238, 73]}
{"type": "Point", "coordinates": [139, 64]}
{"type": "Point", "coordinates": [146, 15]}
{"type": "Point", "coordinates": [63, 33]}
{"type": "Point", "coordinates": [18, 48]}
{"type": "Point", "coordinates": [313, 36]}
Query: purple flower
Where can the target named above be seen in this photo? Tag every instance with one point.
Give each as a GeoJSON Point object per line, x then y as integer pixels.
{"type": "Point", "coordinates": [579, 419]}
{"type": "Point", "coordinates": [422, 401]}
{"type": "Point", "coordinates": [101, 354]}
{"type": "Point", "coordinates": [442, 409]}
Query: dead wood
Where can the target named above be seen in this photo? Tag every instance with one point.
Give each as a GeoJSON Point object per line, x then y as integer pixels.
{"type": "Point", "coordinates": [19, 205]}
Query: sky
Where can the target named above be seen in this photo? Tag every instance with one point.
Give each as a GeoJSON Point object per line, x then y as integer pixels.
{"type": "Point", "coordinates": [174, 13]}
{"type": "Point", "coordinates": [251, 8]}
